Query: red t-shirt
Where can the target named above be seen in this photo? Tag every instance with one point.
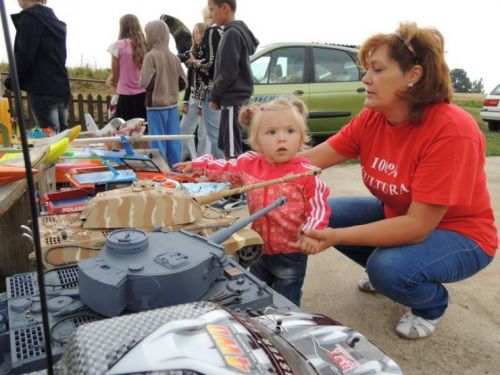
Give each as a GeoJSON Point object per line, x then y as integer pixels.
{"type": "Point", "coordinates": [441, 162]}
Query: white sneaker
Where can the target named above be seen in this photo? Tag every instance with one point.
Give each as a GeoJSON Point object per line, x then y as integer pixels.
{"type": "Point", "coordinates": [220, 203]}
{"type": "Point", "coordinates": [414, 327]}
{"type": "Point", "coordinates": [236, 204]}
{"type": "Point", "coordinates": [365, 285]}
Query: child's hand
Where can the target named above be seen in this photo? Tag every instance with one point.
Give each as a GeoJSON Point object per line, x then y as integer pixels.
{"type": "Point", "coordinates": [184, 166]}
{"type": "Point", "coordinates": [310, 245]}
{"type": "Point", "coordinates": [314, 241]}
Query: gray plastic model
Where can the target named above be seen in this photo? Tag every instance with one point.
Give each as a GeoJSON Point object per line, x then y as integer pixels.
{"type": "Point", "coordinates": [138, 271]}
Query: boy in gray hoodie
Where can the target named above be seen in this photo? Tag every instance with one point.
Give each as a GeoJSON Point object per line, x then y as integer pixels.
{"type": "Point", "coordinates": [161, 76]}
{"type": "Point", "coordinates": [233, 83]}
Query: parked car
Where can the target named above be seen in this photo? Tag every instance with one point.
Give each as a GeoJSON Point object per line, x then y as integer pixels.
{"type": "Point", "coordinates": [491, 109]}
{"type": "Point", "coordinates": [325, 76]}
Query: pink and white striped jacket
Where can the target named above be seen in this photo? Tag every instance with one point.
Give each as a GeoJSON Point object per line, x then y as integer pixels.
{"type": "Point", "coordinates": [306, 196]}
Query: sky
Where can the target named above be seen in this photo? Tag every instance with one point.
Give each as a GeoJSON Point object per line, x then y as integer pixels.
{"type": "Point", "coordinates": [470, 31]}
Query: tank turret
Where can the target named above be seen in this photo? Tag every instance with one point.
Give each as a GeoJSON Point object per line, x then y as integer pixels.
{"type": "Point", "coordinates": [137, 271]}
{"type": "Point", "coordinates": [146, 205]}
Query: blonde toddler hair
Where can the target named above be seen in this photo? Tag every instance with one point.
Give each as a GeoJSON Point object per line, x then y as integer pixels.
{"type": "Point", "coordinates": [250, 116]}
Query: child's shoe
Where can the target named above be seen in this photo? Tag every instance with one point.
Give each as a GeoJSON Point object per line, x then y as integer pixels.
{"type": "Point", "coordinates": [221, 203]}
{"type": "Point", "coordinates": [236, 204]}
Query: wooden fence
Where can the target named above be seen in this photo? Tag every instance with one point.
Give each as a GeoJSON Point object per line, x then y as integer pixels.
{"type": "Point", "coordinates": [79, 105]}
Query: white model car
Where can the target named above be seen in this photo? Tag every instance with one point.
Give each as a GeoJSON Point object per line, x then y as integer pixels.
{"type": "Point", "coordinates": [491, 109]}
{"type": "Point", "coordinates": [203, 338]}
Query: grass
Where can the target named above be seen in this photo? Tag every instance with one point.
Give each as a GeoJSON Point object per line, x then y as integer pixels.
{"type": "Point", "coordinates": [473, 105]}
{"type": "Point", "coordinates": [85, 72]}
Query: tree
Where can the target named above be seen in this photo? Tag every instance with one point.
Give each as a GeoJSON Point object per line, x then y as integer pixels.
{"type": "Point", "coordinates": [478, 86]}
{"type": "Point", "coordinates": [460, 81]}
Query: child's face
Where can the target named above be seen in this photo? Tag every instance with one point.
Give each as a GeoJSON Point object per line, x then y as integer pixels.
{"type": "Point", "coordinates": [23, 4]}
{"type": "Point", "coordinates": [279, 137]}
{"type": "Point", "coordinates": [219, 13]}
{"type": "Point", "coordinates": [197, 36]}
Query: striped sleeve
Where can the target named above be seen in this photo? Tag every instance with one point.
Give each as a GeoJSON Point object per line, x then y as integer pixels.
{"type": "Point", "coordinates": [220, 169]}
{"type": "Point", "coordinates": [316, 205]}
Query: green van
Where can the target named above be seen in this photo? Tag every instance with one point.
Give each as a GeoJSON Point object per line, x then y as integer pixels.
{"type": "Point", "coordinates": [325, 76]}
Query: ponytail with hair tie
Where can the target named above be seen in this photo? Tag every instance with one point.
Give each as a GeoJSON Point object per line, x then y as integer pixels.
{"type": "Point", "coordinates": [247, 113]}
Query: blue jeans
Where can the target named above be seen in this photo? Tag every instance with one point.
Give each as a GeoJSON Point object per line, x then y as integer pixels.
{"type": "Point", "coordinates": [50, 111]}
{"type": "Point", "coordinates": [210, 119]}
{"type": "Point", "coordinates": [412, 275]}
{"type": "Point", "coordinates": [165, 121]}
{"type": "Point", "coordinates": [284, 273]}
{"type": "Point", "coordinates": [190, 121]}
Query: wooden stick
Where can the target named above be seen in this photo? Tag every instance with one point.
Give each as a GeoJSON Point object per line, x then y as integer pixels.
{"type": "Point", "coordinates": [209, 198]}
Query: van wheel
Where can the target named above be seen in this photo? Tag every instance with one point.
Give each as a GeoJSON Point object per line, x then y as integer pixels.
{"type": "Point", "coordinates": [494, 126]}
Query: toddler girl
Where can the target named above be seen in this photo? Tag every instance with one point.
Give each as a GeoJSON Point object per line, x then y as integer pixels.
{"type": "Point", "coordinates": [277, 133]}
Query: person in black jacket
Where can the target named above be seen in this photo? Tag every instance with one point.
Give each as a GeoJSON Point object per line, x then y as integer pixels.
{"type": "Point", "coordinates": [233, 83]}
{"type": "Point", "coordinates": [40, 51]}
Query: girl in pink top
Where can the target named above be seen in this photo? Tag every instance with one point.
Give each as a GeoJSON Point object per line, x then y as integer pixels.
{"type": "Point", "coordinates": [126, 62]}
{"type": "Point", "coordinates": [277, 133]}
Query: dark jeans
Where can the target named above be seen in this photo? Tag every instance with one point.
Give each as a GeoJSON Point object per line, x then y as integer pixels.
{"type": "Point", "coordinates": [412, 275]}
{"type": "Point", "coordinates": [50, 111]}
{"type": "Point", "coordinates": [284, 273]}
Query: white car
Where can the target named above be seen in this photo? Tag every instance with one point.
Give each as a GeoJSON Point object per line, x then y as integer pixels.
{"type": "Point", "coordinates": [491, 109]}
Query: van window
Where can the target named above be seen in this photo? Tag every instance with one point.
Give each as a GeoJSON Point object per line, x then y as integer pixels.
{"type": "Point", "coordinates": [333, 65]}
{"type": "Point", "coordinates": [283, 65]}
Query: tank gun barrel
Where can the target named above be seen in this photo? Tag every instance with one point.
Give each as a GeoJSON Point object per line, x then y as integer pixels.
{"type": "Point", "coordinates": [223, 234]}
{"type": "Point", "coordinates": [210, 198]}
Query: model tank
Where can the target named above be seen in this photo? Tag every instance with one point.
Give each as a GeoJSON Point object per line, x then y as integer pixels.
{"type": "Point", "coordinates": [138, 271]}
{"type": "Point", "coordinates": [149, 206]}
{"type": "Point", "coordinates": [67, 239]}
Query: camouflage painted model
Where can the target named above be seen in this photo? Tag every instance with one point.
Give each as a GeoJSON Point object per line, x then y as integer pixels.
{"type": "Point", "coordinates": [144, 205]}
{"type": "Point", "coordinates": [66, 239]}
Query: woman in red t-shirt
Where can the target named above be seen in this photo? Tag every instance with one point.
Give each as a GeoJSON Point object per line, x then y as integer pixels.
{"type": "Point", "coordinates": [430, 219]}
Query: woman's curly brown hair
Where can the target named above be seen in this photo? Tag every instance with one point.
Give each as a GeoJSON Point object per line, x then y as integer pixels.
{"type": "Point", "coordinates": [412, 45]}
{"type": "Point", "coordinates": [251, 114]}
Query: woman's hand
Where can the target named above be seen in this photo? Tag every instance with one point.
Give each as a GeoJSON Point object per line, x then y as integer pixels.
{"type": "Point", "coordinates": [315, 241]}
{"type": "Point", "coordinates": [184, 166]}
{"type": "Point", "coordinates": [185, 107]}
